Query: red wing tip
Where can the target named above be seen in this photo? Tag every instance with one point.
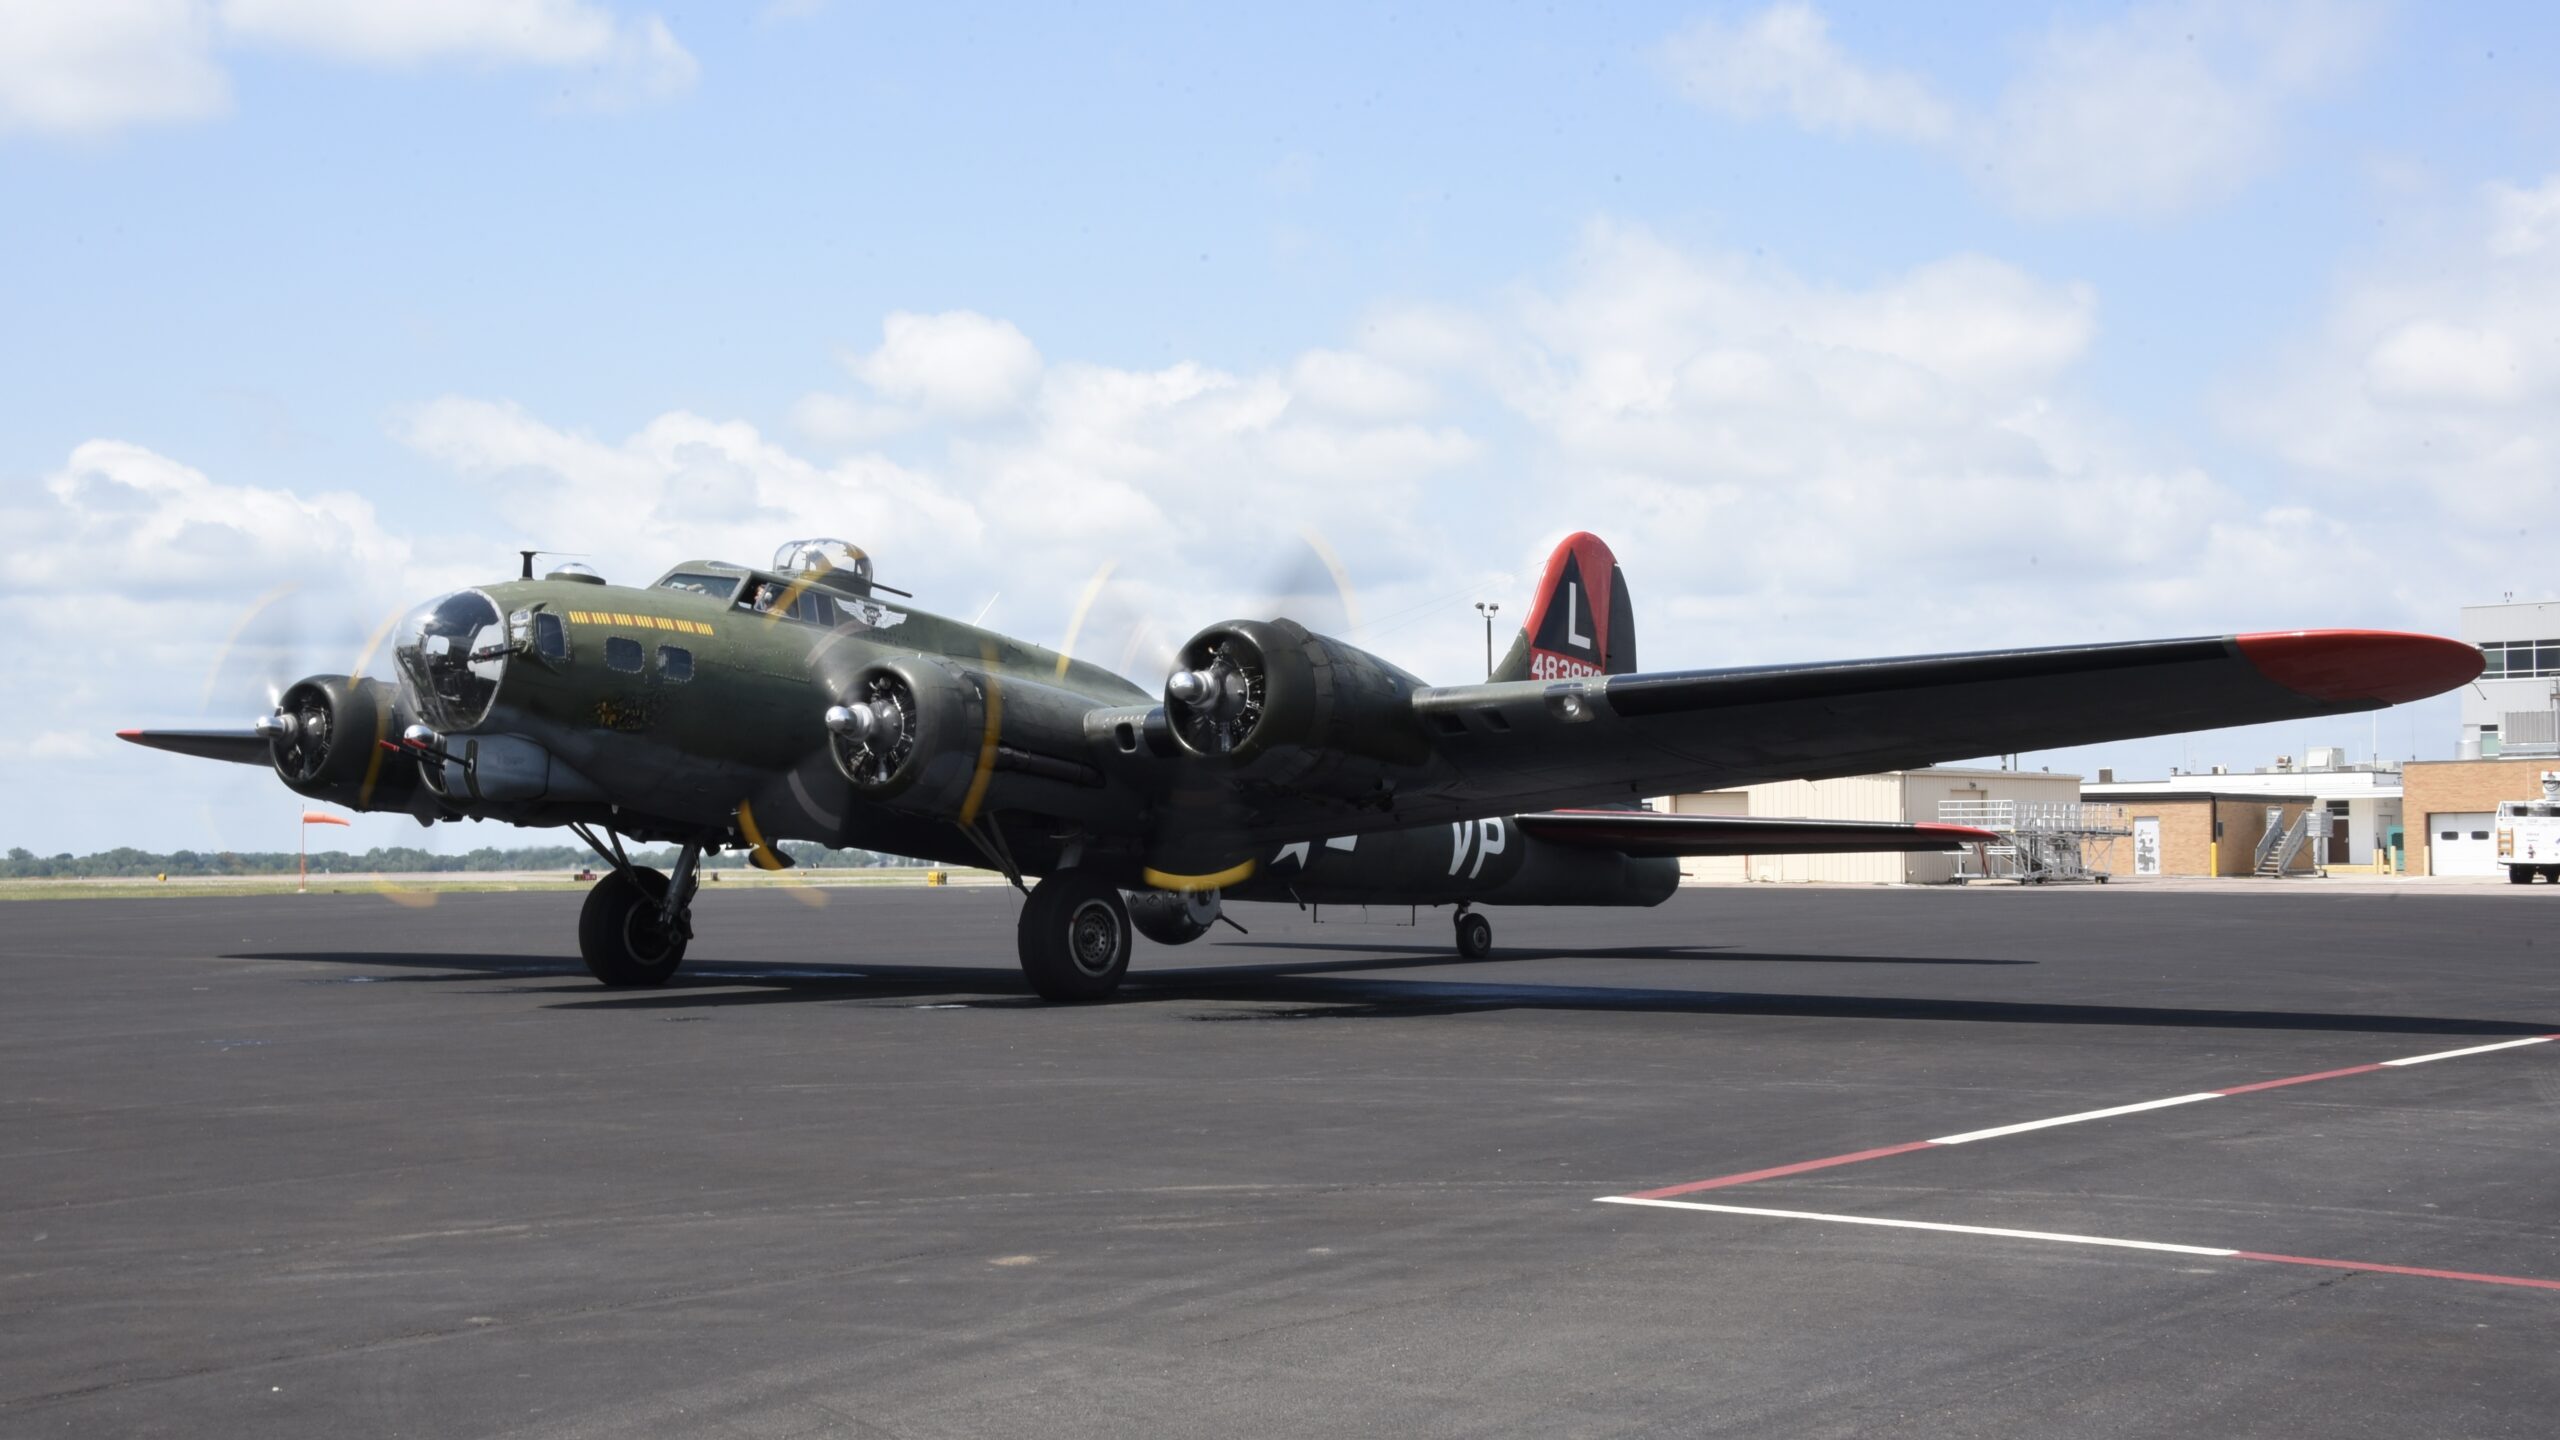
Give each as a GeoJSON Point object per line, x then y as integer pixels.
{"type": "Point", "coordinates": [129, 735]}
{"type": "Point", "coordinates": [1967, 833]}
{"type": "Point", "coordinates": [2381, 667]}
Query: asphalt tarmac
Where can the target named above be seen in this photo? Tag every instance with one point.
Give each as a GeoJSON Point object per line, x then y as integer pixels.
{"type": "Point", "coordinates": [340, 1166]}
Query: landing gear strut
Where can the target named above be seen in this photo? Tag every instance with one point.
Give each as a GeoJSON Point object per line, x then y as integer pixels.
{"type": "Point", "coordinates": [1074, 937]}
{"type": "Point", "coordinates": [637, 921]}
{"type": "Point", "coordinates": [1475, 934]}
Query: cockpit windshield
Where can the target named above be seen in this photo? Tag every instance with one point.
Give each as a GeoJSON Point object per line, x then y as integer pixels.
{"type": "Point", "coordinates": [451, 652]}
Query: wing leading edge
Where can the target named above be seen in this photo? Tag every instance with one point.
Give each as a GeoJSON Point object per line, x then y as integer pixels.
{"type": "Point", "coordinates": [241, 747]}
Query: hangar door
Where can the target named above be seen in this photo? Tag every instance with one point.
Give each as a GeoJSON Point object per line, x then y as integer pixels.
{"type": "Point", "coordinates": [2459, 843]}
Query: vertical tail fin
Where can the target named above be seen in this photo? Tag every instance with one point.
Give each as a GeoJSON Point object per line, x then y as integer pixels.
{"type": "Point", "coordinates": [1581, 622]}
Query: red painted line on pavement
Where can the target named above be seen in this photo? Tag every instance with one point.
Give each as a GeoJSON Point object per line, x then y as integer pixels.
{"type": "Point", "coordinates": [2299, 1079]}
{"type": "Point", "coordinates": [1775, 1171]}
{"type": "Point", "coordinates": [2476, 1279]}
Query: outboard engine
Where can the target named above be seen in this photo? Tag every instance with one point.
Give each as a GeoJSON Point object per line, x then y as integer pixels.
{"type": "Point", "coordinates": [325, 740]}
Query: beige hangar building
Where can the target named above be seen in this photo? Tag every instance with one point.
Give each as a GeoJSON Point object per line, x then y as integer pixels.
{"type": "Point", "coordinates": [1901, 795]}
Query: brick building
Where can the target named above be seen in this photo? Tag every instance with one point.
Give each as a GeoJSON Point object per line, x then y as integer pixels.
{"type": "Point", "coordinates": [2198, 832]}
{"type": "Point", "coordinates": [2450, 808]}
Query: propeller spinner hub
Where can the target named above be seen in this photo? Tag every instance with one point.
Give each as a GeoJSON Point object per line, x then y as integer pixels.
{"type": "Point", "coordinates": [276, 727]}
{"type": "Point", "coordinates": [1190, 686]}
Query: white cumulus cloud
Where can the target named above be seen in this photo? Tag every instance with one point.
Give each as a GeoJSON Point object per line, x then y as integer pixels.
{"type": "Point", "coordinates": [958, 363]}
{"type": "Point", "coordinates": [1770, 453]}
{"type": "Point", "coordinates": [2164, 108]}
{"type": "Point", "coordinates": [2159, 109]}
{"type": "Point", "coordinates": [628, 61]}
{"type": "Point", "coordinates": [2523, 221]}
{"type": "Point", "coordinates": [102, 65]}
{"type": "Point", "coordinates": [1782, 61]}
{"type": "Point", "coordinates": [2432, 389]}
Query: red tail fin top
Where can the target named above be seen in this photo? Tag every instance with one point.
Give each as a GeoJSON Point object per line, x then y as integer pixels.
{"type": "Point", "coordinates": [1581, 622]}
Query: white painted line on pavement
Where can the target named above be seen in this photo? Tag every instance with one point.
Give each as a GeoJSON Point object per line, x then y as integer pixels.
{"type": "Point", "coordinates": [2110, 1112]}
{"type": "Point", "coordinates": [2474, 1050]}
{"type": "Point", "coordinates": [1881, 1223]}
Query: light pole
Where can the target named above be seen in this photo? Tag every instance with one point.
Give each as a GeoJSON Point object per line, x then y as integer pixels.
{"type": "Point", "coordinates": [1487, 610]}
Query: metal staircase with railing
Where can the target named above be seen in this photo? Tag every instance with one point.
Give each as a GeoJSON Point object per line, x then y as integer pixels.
{"type": "Point", "coordinates": [2277, 848]}
{"type": "Point", "coordinates": [2039, 840]}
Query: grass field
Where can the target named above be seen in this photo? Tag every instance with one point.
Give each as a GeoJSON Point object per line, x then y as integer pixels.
{"type": "Point", "coordinates": [424, 887]}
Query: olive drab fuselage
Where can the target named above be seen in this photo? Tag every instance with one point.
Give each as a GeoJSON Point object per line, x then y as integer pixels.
{"type": "Point", "coordinates": [674, 711]}
{"type": "Point", "coordinates": [671, 714]}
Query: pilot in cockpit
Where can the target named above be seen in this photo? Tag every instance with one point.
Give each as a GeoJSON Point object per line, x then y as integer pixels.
{"type": "Point", "coordinates": [768, 595]}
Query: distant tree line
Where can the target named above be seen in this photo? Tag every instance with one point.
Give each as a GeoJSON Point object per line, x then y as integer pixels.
{"type": "Point", "coordinates": [126, 862]}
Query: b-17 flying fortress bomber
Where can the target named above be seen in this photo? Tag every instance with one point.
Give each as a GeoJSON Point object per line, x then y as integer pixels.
{"type": "Point", "coordinates": [723, 706]}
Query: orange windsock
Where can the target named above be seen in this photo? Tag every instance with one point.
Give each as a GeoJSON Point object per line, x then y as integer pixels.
{"type": "Point", "coordinates": [313, 817]}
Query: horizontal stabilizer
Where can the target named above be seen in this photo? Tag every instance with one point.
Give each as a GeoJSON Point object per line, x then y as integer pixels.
{"type": "Point", "coordinates": [241, 747]}
{"type": "Point", "coordinates": [1646, 833]}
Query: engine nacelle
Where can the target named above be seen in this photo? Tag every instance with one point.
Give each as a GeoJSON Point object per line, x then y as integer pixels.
{"type": "Point", "coordinates": [325, 740]}
{"type": "Point", "coordinates": [1275, 696]}
{"type": "Point", "coordinates": [921, 733]}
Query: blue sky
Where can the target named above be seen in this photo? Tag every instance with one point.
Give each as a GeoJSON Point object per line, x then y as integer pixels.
{"type": "Point", "coordinates": [1856, 329]}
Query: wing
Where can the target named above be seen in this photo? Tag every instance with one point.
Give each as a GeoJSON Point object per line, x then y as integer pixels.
{"type": "Point", "coordinates": [1530, 745]}
{"type": "Point", "coordinates": [241, 747]}
{"type": "Point", "coordinates": [1646, 833]}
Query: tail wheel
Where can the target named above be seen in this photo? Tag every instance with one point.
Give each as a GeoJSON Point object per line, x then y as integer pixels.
{"type": "Point", "coordinates": [623, 932]}
{"type": "Point", "coordinates": [1475, 936]}
{"type": "Point", "coordinates": [1074, 937]}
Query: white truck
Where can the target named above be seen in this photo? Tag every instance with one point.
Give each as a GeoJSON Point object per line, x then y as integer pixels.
{"type": "Point", "coordinates": [2529, 834]}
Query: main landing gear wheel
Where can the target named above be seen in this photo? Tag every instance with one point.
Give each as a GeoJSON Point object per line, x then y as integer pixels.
{"type": "Point", "coordinates": [1074, 937]}
{"type": "Point", "coordinates": [1475, 935]}
{"type": "Point", "coordinates": [623, 931]}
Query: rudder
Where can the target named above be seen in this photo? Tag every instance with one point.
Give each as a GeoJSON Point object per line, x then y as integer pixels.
{"type": "Point", "coordinates": [1575, 626]}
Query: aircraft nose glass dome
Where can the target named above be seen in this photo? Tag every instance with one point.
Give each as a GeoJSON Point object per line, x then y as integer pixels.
{"type": "Point", "coordinates": [451, 652]}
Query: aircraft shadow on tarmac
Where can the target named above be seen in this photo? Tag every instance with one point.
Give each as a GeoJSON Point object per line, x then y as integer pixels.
{"type": "Point", "coordinates": [1335, 989]}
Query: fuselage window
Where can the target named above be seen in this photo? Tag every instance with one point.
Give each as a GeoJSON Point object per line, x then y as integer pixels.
{"type": "Point", "coordinates": [621, 652]}
{"type": "Point", "coordinates": [718, 587]}
{"type": "Point", "coordinates": [675, 662]}
{"type": "Point", "coordinates": [550, 636]}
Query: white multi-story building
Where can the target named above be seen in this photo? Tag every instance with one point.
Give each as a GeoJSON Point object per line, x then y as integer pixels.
{"type": "Point", "coordinates": [2514, 709]}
